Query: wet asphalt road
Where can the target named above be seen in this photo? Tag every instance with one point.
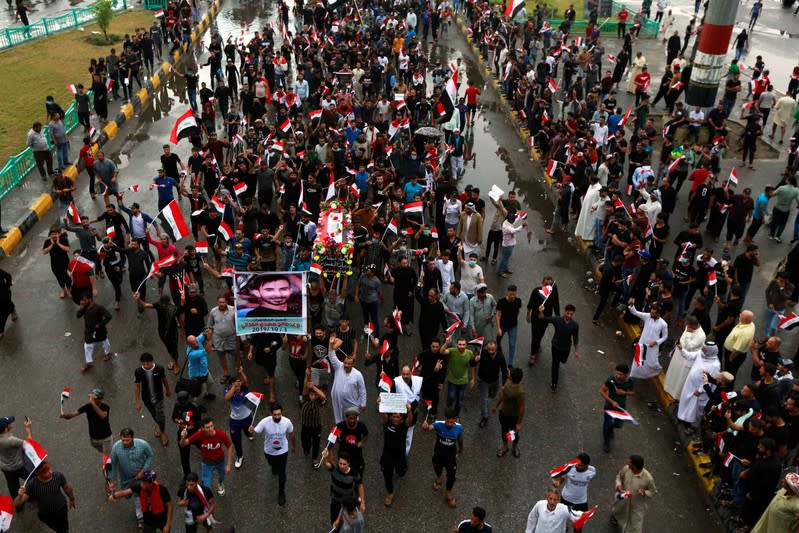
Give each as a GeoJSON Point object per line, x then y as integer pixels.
{"type": "Point", "coordinates": [42, 353]}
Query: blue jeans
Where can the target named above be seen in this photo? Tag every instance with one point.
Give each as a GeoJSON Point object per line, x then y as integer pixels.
{"type": "Point", "coordinates": [236, 428]}
{"type": "Point", "coordinates": [598, 235]}
{"type": "Point", "coordinates": [207, 472]}
{"type": "Point", "coordinates": [511, 342]}
{"type": "Point", "coordinates": [507, 251]}
{"type": "Point", "coordinates": [772, 320]}
{"type": "Point", "coordinates": [192, 93]}
{"type": "Point", "coordinates": [738, 488]}
{"type": "Point", "coordinates": [62, 154]}
{"type": "Point", "coordinates": [455, 396]}
{"type": "Point", "coordinates": [738, 53]}
{"type": "Point", "coordinates": [683, 303]}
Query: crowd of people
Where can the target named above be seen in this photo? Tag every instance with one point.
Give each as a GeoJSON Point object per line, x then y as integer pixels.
{"type": "Point", "coordinates": [339, 102]}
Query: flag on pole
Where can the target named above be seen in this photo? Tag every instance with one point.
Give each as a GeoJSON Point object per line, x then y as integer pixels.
{"type": "Point", "coordinates": [413, 207]}
{"type": "Point", "coordinates": [335, 432]}
{"type": "Point", "coordinates": [285, 127]}
{"type": "Point", "coordinates": [445, 107]}
{"type": "Point", "coordinates": [106, 468]}
{"type": "Point", "coordinates": [369, 329]}
{"type": "Point", "coordinates": [727, 396]}
{"type": "Point", "coordinates": [252, 400]}
{"type": "Point", "coordinates": [225, 231]}
{"type": "Point", "coordinates": [510, 436]}
{"type": "Point", "coordinates": [315, 115]}
{"type": "Point", "coordinates": [553, 87]}
{"type": "Point", "coordinates": [626, 116]}
{"type": "Point", "coordinates": [720, 441]}
{"type": "Point", "coordinates": [162, 263]}
{"type": "Point", "coordinates": [729, 458]}
{"type": "Point", "coordinates": [72, 211]}
{"type": "Point", "coordinates": [455, 325]}
{"type": "Point", "coordinates": [71, 88]}
{"type": "Point", "coordinates": [184, 127]}
{"type": "Point", "coordinates": [545, 291]}
{"type": "Point", "coordinates": [385, 382]}
{"type": "Point", "coordinates": [171, 219]}
{"type": "Point", "coordinates": [416, 366]}
{"type": "Point", "coordinates": [673, 165]}
{"type": "Point", "coordinates": [478, 341]}
{"type": "Point", "coordinates": [621, 414]}
{"type": "Point", "coordinates": [201, 247]}
{"type": "Point", "coordinates": [218, 204]}
{"type": "Point", "coordinates": [639, 350]}
{"type": "Point", "coordinates": [240, 188]}
{"type": "Point", "coordinates": [733, 179]}
{"type": "Point", "coordinates": [580, 519]}
{"type": "Point", "coordinates": [397, 314]}
{"type": "Point", "coordinates": [788, 322]}
{"type": "Point", "coordinates": [34, 454]}
{"type": "Point", "coordinates": [552, 167]}
{"type": "Point", "coordinates": [6, 512]}
{"type": "Point", "coordinates": [110, 232]}
{"type": "Point", "coordinates": [392, 226]}
{"type": "Point", "coordinates": [711, 278]}
{"type": "Point", "coordinates": [316, 268]}
{"type": "Point", "coordinates": [562, 469]}
{"type": "Point", "coordinates": [134, 187]}
{"type": "Point", "coordinates": [65, 394]}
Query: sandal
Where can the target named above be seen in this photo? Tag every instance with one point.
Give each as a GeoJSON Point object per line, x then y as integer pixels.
{"type": "Point", "coordinates": [171, 365]}
{"type": "Point", "coordinates": [531, 361]}
{"type": "Point", "coordinates": [107, 357]}
{"type": "Point", "coordinates": [452, 502]}
{"type": "Point", "coordinates": [436, 485]}
{"type": "Point", "coordinates": [87, 366]}
{"type": "Point", "coordinates": [164, 440]}
{"type": "Point", "coordinates": [517, 453]}
{"type": "Point", "coordinates": [502, 452]}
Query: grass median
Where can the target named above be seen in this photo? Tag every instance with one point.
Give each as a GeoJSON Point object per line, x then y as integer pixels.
{"type": "Point", "coordinates": [45, 67]}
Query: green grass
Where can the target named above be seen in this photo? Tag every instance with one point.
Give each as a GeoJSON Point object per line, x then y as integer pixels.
{"type": "Point", "coordinates": [45, 67]}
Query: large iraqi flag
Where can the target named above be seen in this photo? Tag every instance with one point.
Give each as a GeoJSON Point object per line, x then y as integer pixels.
{"type": "Point", "coordinates": [184, 126]}
{"type": "Point", "coordinates": [172, 221]}
{"type": "Point", "coordinates": [445, 106]}
{"type": "Point", "coordinates": [513, 8]}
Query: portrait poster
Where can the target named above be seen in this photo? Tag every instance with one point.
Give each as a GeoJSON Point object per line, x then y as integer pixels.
{"type": "Point", "coordinates": [270, 302]}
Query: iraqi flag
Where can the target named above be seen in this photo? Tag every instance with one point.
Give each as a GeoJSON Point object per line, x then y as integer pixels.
{"type": "Point", "coordinates": [34, 454]}
{"type": "Point", "coordinates": [392, 226]}
{"type": "Point", "coordinates": [106, 467]}
{"type": "Point", "coordinates": [788, 322]}
{"type": "Point", "coordinates": [729, 458]}
{"type": "Point", "coordinates": [134, 187]}
{"type": "Point", "coordinates": [285, 127]}
{"type": "Point", "coordinates": [413, 207]}
{"type": "Point", "coordinates": [611, 58]}
{"type": "Point", "coordinates": [720, 442]}
{"type": "Point", "coordinates": [626, 116]}
{"type": "Point", "coordinates": [385, 382]}
{"type": "Point", "coordinates": [316, 268]}
{"type": "Point", "coordinates": [65, 394]}
{"type": "Point", "coordinates": [580, 518]}
{"type": "Point", "coordinates": [711, 278]}
{"type": "Point", "coordinates": [6, 512]}
{"type": "Point", "coordinates": [72, 211]}
{"type": "Point", "coordinates": [315, 115]}
{"type": "Point", "coordinates": [201, 247]}
{"type": "Point", "coordinates": [478, 341]}
{"type": "Point", "coordinates": [552, 167]}
{"type": "Point", "coordinates": [732, 181]}
{"type": "Point", "coordinates": [546, 291]}
{"type": "Point", "coordinates": [218, 204]}
{"type": "Point", "coordinates": [160, 13]}
{"type": "Point", "coordinates": [553, 87]}
{"type": "Point", "coordinates": [639, 348]}
{"type": "Point", "coordinates": [252, 400]}
{"type": "Point", "coordinates": [727, 396]}
{"type": "Point", "coordinates": [225, 231]}
{"type": "Point", "coordinates": [676, 162]}
{"type": "Point", "coordinates": [71, 88]}
{"type": "Point", "coordinates": [749, 104]}
{"type": "Point", "coordinates": [510, 436]}
{"type": "Point", "coordinates": [562, 469]}
{"type": "Point", "coordinates": [335, 432]}
{"type": "Point", "coordinates": [331, 188]}
{"type": "Point", "coordinates": [184, 127]}
{"type": "Point", "coordinates": [397, 314]}
{"type": "Point", "coordinates": [111, 232]}
{"type": "Point", "coordinates": [621, 414]}
{"type": "Point", "coordinates": [513, 8]}
{"type": "Point", "coordinates": [240, 188]}
{"type": "Point", "coordinates": [369, 329]}
{"type": "Point", "coordinates": [455, 325]}
{"type": "Point", "coordinates": [172, 221]}
{"type": "Point", "coordinates": [162, 263]}
{"type": "Point", "coordinates": [445, 106]}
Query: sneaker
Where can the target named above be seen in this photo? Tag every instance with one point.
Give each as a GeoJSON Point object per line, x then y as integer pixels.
{"type": "Point", "coordinates": [483, 422]}
{"type": "Point", "coordinates": [494, 261]}
{"type": "Point", "coordinates": [777, 239]}
{"type": "Point", "coordinates": [554, 387]}
{"type": "Point", "coordinates": [281, 498]}
{"type": "Point", "coordinates": [238, 462]}
{"type": "Point", "coordinates": [221, 489]}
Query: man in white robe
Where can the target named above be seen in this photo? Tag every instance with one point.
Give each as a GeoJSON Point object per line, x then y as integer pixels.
{"type": "Point", "coordinates": [693, 397]}
{"type": "Point", "coordinates": [683, 356]}
{"type": "Point", "coordinates": [585, 222]}
{"type": "Point", "coordinates": [654, 333]}
{"type": "Point", "coordinates": [349, 389]}
{"type": "Point", "coordinates": [411, 386]}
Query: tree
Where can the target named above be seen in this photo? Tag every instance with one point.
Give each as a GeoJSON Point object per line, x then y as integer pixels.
{"type": "Point", "coordinates": [104, 11]}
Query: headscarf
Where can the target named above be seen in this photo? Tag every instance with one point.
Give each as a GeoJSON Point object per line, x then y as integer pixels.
{"type": "Point", "coordinates": [792, 480]}
{"type": "Point", "coordinates": [710, 351]}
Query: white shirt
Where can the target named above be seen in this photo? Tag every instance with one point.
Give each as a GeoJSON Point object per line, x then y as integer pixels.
{"type": "Point", "coordinates": [540, 520]}
{"type": "Point", "coordinates": [575, 486]}
{"type": "Point", "coordinates": [600, 133]}
{"type": "Point", "coordinates": [470, 277]}
{"type": "Point", "coordinates": [276, 440]}
{"type": "Point", "coordinates": [696, 116]}
{"type": "Point", "coordinates": [447, 273]}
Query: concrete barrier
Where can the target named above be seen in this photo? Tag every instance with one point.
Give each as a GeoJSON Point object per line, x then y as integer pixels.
{"type": "Point", "coordinates": [45, 202]}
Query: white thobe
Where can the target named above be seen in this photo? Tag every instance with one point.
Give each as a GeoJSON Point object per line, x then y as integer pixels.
{"type": "Point", "coordinates": [412, 394]}
{"type": "Point", "coordinates": [681, 361]}
{"type": "Point", "coordinates": [541, 520]}
{"type": "Point", "coordinates": [348, 389]}
{"type": "Point", "coordinates": [585, 222]}
{"type": "Point", "coordinates": [656, 331]}
{"type": "Point", "coordinates": [692, 405]}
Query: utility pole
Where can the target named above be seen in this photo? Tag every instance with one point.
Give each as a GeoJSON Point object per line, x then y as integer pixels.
{"type": "Point", "coordinates": [710, 59]}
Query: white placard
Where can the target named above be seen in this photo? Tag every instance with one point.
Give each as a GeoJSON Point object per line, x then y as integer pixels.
{"type": "Point", "coordinates": [495, 193]}
{"type": "Point", "coordinates": [391, 402]}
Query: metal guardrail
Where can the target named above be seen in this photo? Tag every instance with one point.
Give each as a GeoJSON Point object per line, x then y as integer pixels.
{"type": "Point", "coordinates": [18, 166]}
{"type": "Point", "coordinates": [11, 37]}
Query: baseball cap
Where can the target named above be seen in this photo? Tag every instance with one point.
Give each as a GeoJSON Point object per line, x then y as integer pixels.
{"type": "Point", "coordinates": [6, 421]}
{"type": "Point", "coordinates": [787, 363]}
{"type": "Point", "coordinates": [98, 394]}
{"type": "Point", "coordinates": [480, 287]}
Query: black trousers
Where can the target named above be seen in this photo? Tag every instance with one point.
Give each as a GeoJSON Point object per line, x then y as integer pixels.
{"type": "Point", "coordinates": [558, 357]}
{"type": "Point", "coordinates": [537, 328]}
{"type": "Point", "coordinates": [450, 463]}
{"type": "Point", "coordinates": [58, 521]}
{"type": "Point", "coordinates": [390, 464]}
{"type": "Point", "coordinates": [309, 437]}
{"type": "Point", "coordinates": [495, 238]}
{"type": "Point", "coordinates": [278, 464]}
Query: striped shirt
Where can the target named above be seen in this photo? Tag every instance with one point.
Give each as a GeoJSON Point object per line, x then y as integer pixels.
{"type": "Point", "coordinates": [343, 485]}
{"type": "Point", "coordinates": [311, 414]}
{"type": "Point", "coordinates": [47, 495]}
{"type": "Point", "coordinates": [127, 462]}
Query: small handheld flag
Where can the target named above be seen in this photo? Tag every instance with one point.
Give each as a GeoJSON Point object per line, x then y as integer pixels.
{"type": "Point", "coordinates": [335, 432]}
{"type": "Point", "coordinates": [72, 211]}
{"type": "Point", "coordinates": [201, 247]}
{"type": "Point", "coordinates": [621, 414]}
{"type": "Point", "coordinates": [562, 469]}
{"type": "Point", "coordinates": [385, 382]}
{"type": "Point", "coordinates": [6, 512]}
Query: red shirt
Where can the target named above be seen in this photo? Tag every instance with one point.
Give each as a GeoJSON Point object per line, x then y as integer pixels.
{"type": "Point", "coordinates": [82, 271]}
{"type": "Point", "coordinates": [623, 16]}
{"type": "Point", "coordinates": [212, 449]}
{"type": "Point", "coordinates": [86, 156]}
{"type": "Point", "coordinates": [698, 177]}
{"type": "Point", "coordinates": [471, 95]}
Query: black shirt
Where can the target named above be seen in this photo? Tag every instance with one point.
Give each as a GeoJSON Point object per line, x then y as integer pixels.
{"type": "Point", "coordinates": [152, 383]}
{"type": "Point", "coordinates": [744, 267]}
{"type": "Point", "coordinates": [350, 438]}
{"type": "Point", "coordinates": [99, 428]}
{"type": "Point", "coordinates": [491, 369]}
{"type": "Point", "coordinates": [151, 519]}
{"type": "Point", "coordinates": [394, 439]}
{"type": "Point", "coordinates": [510, 312]}
{"type": "Point", "coordinates": [171, 163]}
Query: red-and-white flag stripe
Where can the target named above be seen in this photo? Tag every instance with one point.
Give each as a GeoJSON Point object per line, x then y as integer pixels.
{"type": "Point", "coordinates": [335, 433]}
{"type": "Point", "coordinates": [552, 167]}
{"type": "Point", "coordinates": [34, 454]}
{"type": "Point", "coordinates": [562, 469]}
{"type": "Point", "coordinates": [172, 221]}
{"type": "Point", "coordinates": [385, 382]}
{"type": "Point", "coordinates": [240, 188]}
{"type": "Point", "coordinates": [6, 512]}
{"type": "Point", "coordinates": [621, 414]}
{"type": "Point", "coordinates": [72, 211]}
{"type": "Point", "coordinates": [316, 268]}
{"type": "Point", "coordinates": [788, 322]}
{"type": "Point", "coordinates": [397, 314]}
{"type": "Point", "coordinates": [110, 232]}
{"type": "Point", "coordinates": [225, 230]}
{"type": "Point", "coordinates": [413, 207]}
{"type": "Point", "coordinates": [201, 247]}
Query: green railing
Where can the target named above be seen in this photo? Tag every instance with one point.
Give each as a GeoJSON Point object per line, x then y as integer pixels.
{"type": "Point", "coordinates": [10, 37]}
{"type": "Point", "coordinates": [19, 165]}
{"type": "Point", "coordinates": [154, 5]}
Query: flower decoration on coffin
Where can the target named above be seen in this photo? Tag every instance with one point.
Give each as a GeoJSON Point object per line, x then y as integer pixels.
{"type": "Point", "coordinates": [334, 244]}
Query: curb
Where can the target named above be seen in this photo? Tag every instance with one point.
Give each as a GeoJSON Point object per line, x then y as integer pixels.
{"type": "Point", "coordinates": [631, 331]}
{"type": "Point", "coordinates": [46, 201]}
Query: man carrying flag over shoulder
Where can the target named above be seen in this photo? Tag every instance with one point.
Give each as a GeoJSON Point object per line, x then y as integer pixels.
{"type": "Point", "coordinates": [13, 464]}
{"type": "Point", "coordinates": [615, 391]}
{"type": "Point", "coordinates": [573, 482]}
